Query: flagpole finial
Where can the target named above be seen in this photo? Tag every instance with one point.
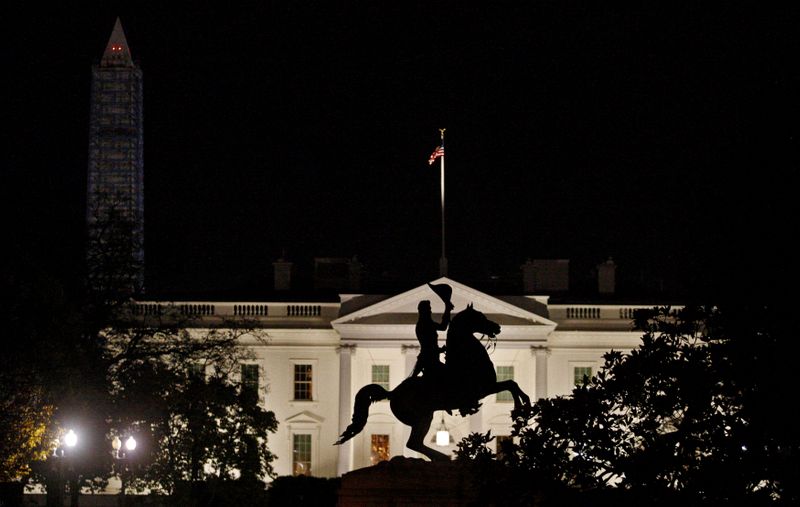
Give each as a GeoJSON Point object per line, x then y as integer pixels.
{"type": "Point", "coordinates": [441, 132]}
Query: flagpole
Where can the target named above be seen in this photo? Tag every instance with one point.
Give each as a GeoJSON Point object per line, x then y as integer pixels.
{"type": "Point", "coordinates": [443, 260]}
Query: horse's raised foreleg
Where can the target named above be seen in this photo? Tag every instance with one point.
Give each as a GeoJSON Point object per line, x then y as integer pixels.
{"type": "Point", "coordinates": [520, 398]}
{"type": "Point", "coordinates": [416, 442]}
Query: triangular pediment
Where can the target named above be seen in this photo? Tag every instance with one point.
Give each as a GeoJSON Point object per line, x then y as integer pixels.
{"type": "Point", "coordinates": [305, 417]}
{"type": "Point", "coordinates": [401, 310]}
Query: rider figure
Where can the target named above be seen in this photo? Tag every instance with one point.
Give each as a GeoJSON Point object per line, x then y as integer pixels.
{"type": "Point", "coordinates": [427, 333]}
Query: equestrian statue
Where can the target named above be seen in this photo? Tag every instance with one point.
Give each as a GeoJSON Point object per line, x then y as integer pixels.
{"type": "Point", "coordinates": [460, 383]}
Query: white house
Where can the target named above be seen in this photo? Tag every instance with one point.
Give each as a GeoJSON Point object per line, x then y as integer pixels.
{"type": "Point", "coordinates": [319, 354]}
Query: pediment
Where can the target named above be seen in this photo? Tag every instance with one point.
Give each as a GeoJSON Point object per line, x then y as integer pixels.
{"type": "Point", "coordinates": [305, 417]}
{"type": "Point", "coordinates": [401, 310]}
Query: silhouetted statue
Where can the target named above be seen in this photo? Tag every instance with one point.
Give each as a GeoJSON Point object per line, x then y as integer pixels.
{"type": "Point", "coordinates": [428, 334]}
{"type": "Point", "coordinates": [468, 376]}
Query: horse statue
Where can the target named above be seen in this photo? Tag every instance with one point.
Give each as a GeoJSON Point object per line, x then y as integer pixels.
{"type": "Point", "coordinates": [468, 376]}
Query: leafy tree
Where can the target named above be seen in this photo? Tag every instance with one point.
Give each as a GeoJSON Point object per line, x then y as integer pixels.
{"type": "Point", "coordinates": [93, 363]}
{"type": "Point", "coordinates": [695, 414]}
{"type": "Point", "coordinates": [192, 428]}
{"type": "Point", "coordinates": [28, 364]}
{"type": "Point", "coordinates": [24, 419]}
{"type": "Point", "coordinates": [198, 423]}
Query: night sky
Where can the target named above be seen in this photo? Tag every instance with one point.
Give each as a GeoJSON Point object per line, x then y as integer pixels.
{"type": "Point", "coordinates": [664, 136]}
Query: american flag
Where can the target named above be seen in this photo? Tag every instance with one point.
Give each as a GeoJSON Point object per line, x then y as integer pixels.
{"type": "Point", "coordinates": [438, 152]}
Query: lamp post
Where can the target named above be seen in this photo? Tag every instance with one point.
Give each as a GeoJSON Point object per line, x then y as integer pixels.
{"type": "Point", "coordinates": [442, 438]}
{"type": "Point", "coordinates": [62, 452]}
{"type": "Point", "coordinates": [121, 455]}
{"type": "Point", "coordinates": [71, 440]}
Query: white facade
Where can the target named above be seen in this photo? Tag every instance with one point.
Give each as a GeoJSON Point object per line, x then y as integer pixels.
{"type": "Point", "coordinates": [367, 338]}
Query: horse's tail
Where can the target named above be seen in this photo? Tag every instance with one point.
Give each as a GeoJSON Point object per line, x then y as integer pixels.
{"type": "Point", "coordinates": [366, 396]}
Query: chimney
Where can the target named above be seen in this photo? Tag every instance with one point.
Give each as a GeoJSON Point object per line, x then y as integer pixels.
{"type": "Point", "coordinates": [606, 277]}
{"type": "Point", "coordinates": [356, 269]}
{"type": "Point", "coordinates": [283, 274]}
{"type": "Point", "coordinates": [545, 275]}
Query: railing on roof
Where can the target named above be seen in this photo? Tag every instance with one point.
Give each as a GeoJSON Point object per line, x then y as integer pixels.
{"type": "Point", "coordinates": [231, 309]}
{"type": "Point", "coordinates": [594, 312]}
{"type": "Point", "coordinates": [304, 310]}
{"type": "Point", "coordinates": [251, 310]}
{"type": "Point", "coordinates": [196, 309]}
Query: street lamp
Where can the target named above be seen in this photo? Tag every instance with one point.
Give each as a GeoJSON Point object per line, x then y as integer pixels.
{"type": "Point", "coordinates": [116, 443]}
{"type": "Point", "coordinates": [61, 453]}
{"type": "Point", "coordinates": [71, 438]}
{"type": "Point", "coordinates": [122, 457]}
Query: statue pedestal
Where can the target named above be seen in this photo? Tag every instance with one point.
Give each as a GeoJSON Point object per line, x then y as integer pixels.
{"type": "Point", "coordinates": [409, 481]}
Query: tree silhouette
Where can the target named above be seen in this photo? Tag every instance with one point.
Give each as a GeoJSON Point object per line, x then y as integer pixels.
{"type": "Point", "coordinates": [96, 363]}
{"type": "Point", "coordinates": [694, 414]}
{"type": "Point", "coordinates": [177, 384]}
{"type": "Point", "coordinates": [30, 366]}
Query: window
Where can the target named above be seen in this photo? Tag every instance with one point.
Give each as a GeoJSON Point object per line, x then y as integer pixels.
{"type": "Point", "coordinates": [250, 381]}
{"type": "Point", "coordinates": [302, 382]}
{"type": "Point", "coordinates": [380, 375]}
{"type": "Point", "coordinates": [500, 440]}
{"type": "Point", "coordinates": [504, 373]}
{"type": "Point", "coordinates": [379, 449]}
{"type": "Point", "coordinates": [579, 372]}
{"type": "Point", "coordinates": [301, 454]}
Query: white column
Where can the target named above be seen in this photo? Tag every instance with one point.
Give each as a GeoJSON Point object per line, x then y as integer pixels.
{"type": "Point", "coordinates": [476, 422]}
{"type": "Point", "coordinates": [345, 461]}
{"type": "Point", "coordinates": [410, 352]}
{"type": "Point", "coordinates": [541, 353]}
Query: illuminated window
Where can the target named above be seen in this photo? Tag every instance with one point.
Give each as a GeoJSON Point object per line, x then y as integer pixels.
{"type": "Point", "coordinates": [301, 455]}
{"type": "Point", "coordinates": [250, 381]}
{"type": "Point", "coordinates": [302, 382]}
{"type": "Point", "coordinates": [504, 373]}
{"type": "Point", "coordinates": [379, 449]}
{"type": "Point", "coordinates": [579, 372]}
{"type": "Point", "coordinates": [380, 375]}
